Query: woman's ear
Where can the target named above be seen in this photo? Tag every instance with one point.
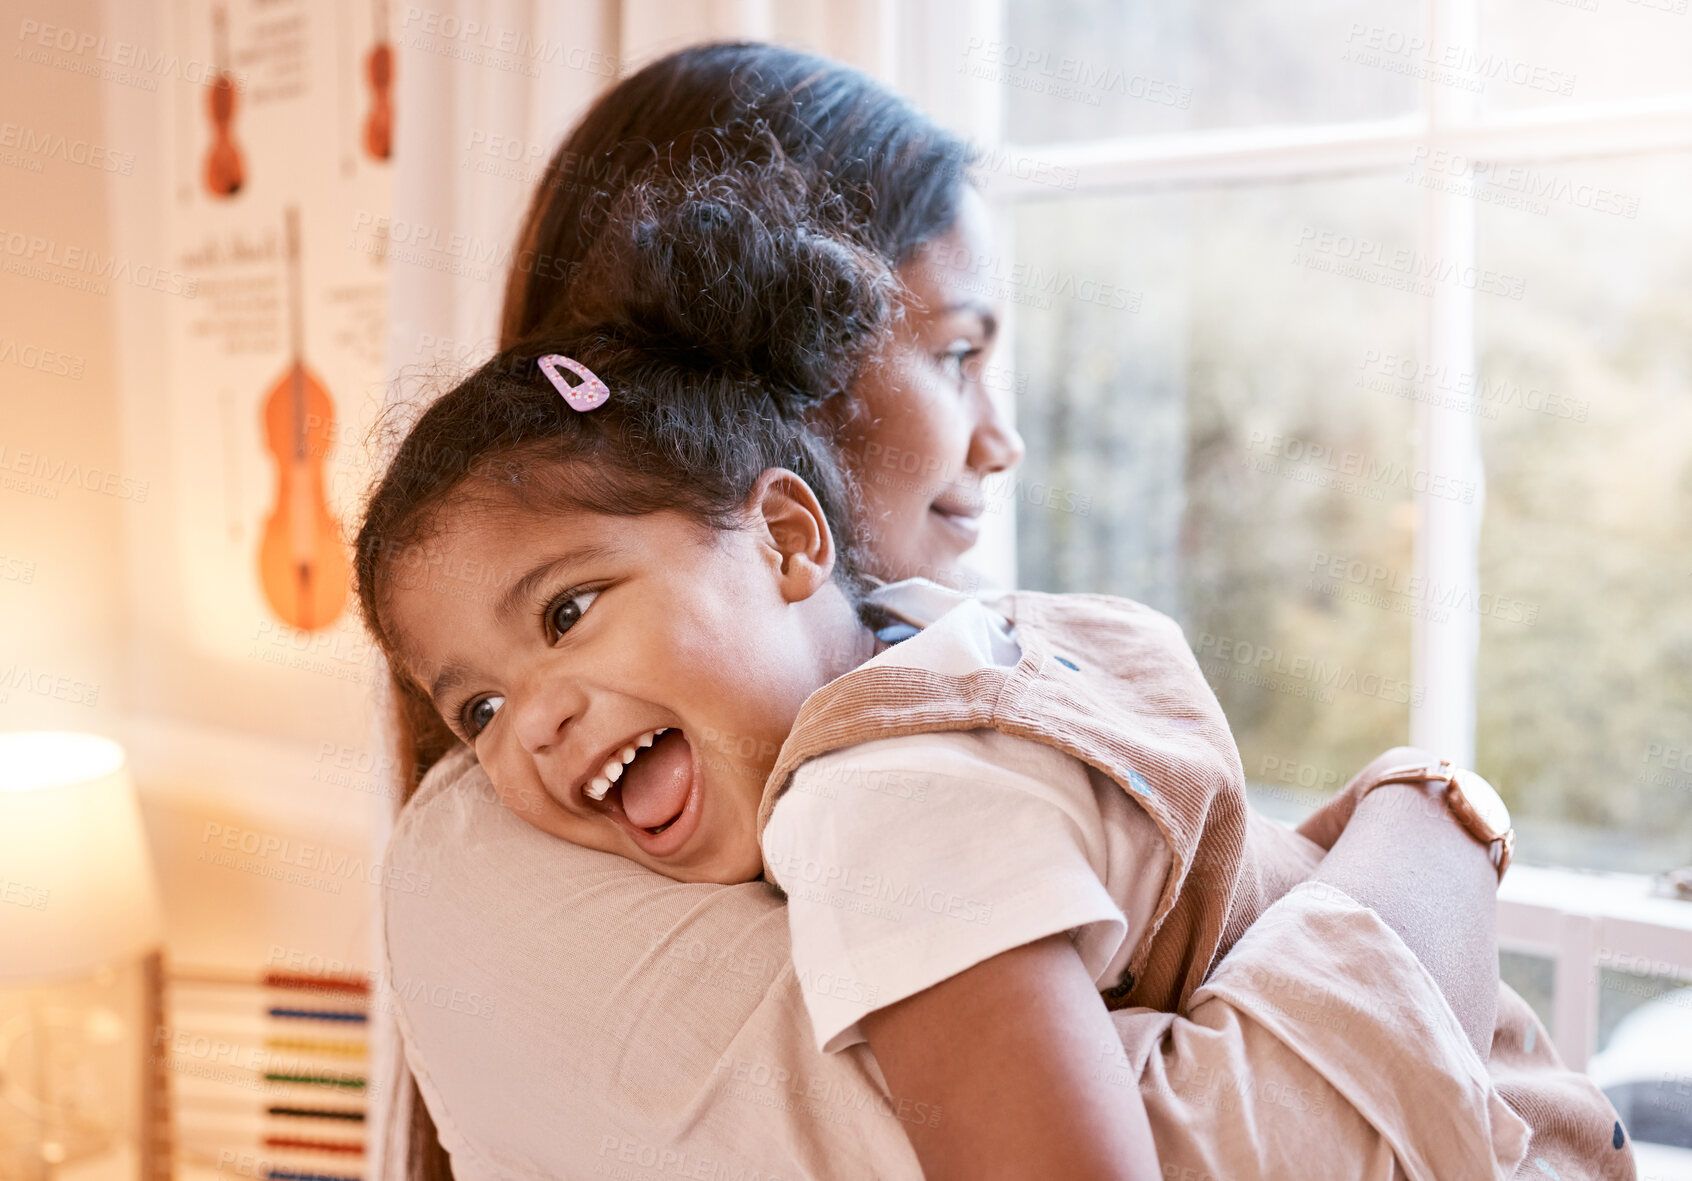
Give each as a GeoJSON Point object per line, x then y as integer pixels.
{"type": "Point", "coordinates": [793, 531]}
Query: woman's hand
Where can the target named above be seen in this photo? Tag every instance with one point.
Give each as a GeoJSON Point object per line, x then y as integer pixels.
{"type": "Point", "coordinates": [1401, 853]}
{"type": "Point", "coordinates": [1014, 1057]}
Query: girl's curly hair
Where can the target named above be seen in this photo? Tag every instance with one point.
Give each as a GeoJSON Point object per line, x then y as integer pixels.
{"type": "Point", "coordinates": [723, 307]}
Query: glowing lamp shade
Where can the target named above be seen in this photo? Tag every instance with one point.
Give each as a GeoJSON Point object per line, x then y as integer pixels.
{"type": "Point", "coordinates": [76, 883]}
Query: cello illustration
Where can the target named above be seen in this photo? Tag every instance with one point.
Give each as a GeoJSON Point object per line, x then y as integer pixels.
{"type": "Point", "coordinates": [224, 170]}
{"type": "Point", "coordinates": [379, 69]}
{"type": "Point", "coordinates": [303, 563]}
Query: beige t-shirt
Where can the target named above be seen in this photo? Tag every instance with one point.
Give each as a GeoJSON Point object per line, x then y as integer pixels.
{"type": "Point", "coordinates": [908, 860]}
{"type": "Point", "coordinates": [621, 1025]}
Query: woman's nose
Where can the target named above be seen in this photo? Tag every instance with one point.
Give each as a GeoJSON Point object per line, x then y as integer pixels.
{"type": "Point", "coordinates": [994, 445]}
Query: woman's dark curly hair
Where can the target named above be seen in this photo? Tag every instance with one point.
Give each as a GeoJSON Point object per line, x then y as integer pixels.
{"type": "Point", "coordinates": [898, 174]}
{"type": "Point", "coordinates": [722, 308]}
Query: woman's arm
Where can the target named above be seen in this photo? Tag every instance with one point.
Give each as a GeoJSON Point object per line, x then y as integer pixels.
{"type": "Point", "coordinates": [1013, 1052]}
{"type": "Point", "coordinates": [1405, 857]}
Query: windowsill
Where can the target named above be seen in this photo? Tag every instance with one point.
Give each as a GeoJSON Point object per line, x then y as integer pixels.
{"type": "Point", "coordinates": [1594, 894]}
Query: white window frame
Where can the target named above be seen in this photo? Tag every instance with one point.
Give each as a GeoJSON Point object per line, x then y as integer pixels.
{"type": "Point", "coordinates": [1578, 919]}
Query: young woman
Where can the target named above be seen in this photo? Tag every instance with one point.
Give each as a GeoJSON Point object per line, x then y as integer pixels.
{"type": "Point", "coordinates": [901, 192]}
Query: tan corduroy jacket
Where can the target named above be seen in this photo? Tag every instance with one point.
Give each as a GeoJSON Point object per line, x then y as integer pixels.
{"type": "Point", "coordinates": [1114, 684]}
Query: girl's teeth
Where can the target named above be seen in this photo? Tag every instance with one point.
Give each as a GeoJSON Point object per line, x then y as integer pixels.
{"type": "Point", "coordinates": [613, 769]}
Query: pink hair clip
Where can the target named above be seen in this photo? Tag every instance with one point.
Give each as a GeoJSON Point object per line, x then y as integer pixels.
{"type": "Point", "coordinates": [586, 394]}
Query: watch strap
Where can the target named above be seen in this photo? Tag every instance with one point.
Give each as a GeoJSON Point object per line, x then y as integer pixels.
{"type": "Point", "coordinates": [1500, 848]}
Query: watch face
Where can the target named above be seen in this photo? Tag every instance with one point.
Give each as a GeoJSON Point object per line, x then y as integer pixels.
{"type": "Point", "coordinates": [1484, 802]}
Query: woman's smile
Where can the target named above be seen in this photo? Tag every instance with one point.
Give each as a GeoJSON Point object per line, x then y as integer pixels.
{"type": "Point", "coordinates": [960, 514]}
{"type": "Point", "coordinates": [927, 430]}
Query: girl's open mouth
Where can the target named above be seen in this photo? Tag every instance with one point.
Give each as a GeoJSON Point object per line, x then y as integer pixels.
{"type": "Point", "coordinates": [656, 797]}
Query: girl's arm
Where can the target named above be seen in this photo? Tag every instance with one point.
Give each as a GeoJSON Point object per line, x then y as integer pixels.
{"type": "Point", "coordinates": [1014, 1052]}
{"type": "Point", "coordinates": [1404, 856]}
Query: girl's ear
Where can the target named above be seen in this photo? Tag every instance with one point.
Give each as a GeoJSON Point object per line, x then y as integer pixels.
{"type": "Point", "coordinates": [793, 531]}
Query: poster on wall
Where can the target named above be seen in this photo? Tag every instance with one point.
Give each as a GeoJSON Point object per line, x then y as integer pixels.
{"type": "Point", "coordinates": [276, 369]}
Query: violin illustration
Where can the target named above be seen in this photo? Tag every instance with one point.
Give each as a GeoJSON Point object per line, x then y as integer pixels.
{"type": "Point", "coordinates": [303, 563]}
{"type": "Point", "coordinates": [379, 68]}
{"type": "Point", "coordinates": [225, 170]}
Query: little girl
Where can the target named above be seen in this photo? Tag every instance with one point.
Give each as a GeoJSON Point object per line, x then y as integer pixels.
{"type": "Point", "coordinates": [666, 652]}
{"type": "Point", "coordinates": [666, 600]}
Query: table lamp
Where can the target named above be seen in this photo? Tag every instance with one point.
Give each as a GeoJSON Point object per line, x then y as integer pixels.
{"type": "Point", "coordinates": [76, 897]}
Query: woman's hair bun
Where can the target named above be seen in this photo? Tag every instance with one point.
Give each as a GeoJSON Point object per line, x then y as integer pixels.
{"type": "Point", "coordinates": [739, 268]}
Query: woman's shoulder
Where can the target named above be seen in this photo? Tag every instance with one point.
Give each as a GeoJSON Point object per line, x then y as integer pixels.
{"type": "Point", "coordinates": [454, 803]}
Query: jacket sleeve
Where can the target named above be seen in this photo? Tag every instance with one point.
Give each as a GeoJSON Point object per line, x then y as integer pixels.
{"type": "Point", "coordinates": [1320, 1046]}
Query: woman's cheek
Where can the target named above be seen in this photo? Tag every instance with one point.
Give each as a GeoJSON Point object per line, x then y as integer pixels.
{"type": "Point", "coordinates": [949, 424]}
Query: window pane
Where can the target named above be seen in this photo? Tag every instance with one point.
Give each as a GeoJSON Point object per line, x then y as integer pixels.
{"type": "Point", "coordinates": [1083, 69]}
{"type": "Point", "coordinates": [1644, 1019]}
{"type": "Point", "coordinates": [1534, 977]}
{"type": "Point", "coordinates": [1192, 381]}
{"type": "Point", "coordinates": [1533, 52]}
{"type": "Point", "coordinates": [1585, 410]}
{"type": "Point", "coordinates": [1623, 990]}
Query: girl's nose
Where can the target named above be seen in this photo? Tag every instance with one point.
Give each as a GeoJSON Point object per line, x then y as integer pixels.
{"type": "Point", "coordinates": [541, 713]}
{"type": "Point", "coordinates": [994, 445]}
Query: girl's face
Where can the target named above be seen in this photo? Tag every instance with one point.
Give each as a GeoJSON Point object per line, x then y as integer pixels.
{"type": "Point", "coordinates": [924, 431]}
{"type": "Point", "coordinates": [664, 659]}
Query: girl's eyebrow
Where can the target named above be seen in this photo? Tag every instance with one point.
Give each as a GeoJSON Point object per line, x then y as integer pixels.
{"type": "Point", "coordinates": [524, 588]}
{"type": "Point", "coordinates": [450, 672]}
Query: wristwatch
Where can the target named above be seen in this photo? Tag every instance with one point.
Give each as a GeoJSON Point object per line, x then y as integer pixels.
{"type": "Point", "coordinates": [1472, 800]}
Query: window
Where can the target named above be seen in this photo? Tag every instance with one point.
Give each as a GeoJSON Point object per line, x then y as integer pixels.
{"type": "Point", "coordinates": [1355, 336]}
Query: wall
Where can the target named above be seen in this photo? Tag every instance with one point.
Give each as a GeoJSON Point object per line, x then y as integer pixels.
{"type": "Point", "coordinates": [62, 627]}
{"type": "Point", "coordinates": [144, 324]}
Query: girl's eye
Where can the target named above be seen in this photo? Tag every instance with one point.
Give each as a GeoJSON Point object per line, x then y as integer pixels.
{"type": "Point", "coordinates": [479, 713]}
{"type": "Point", "coordinates": [564, 612]}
